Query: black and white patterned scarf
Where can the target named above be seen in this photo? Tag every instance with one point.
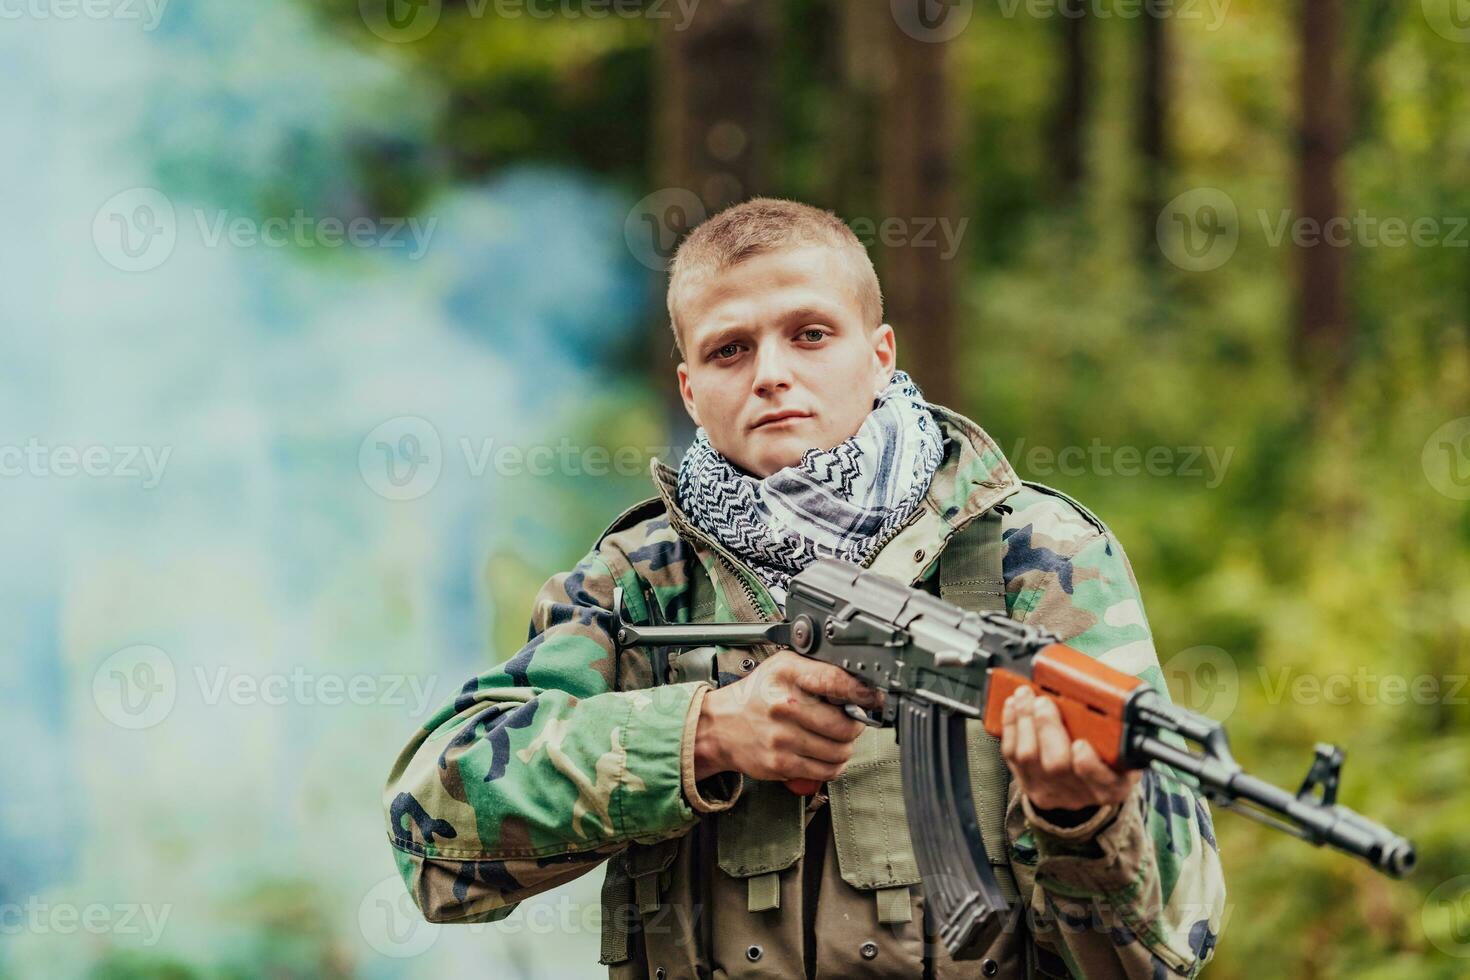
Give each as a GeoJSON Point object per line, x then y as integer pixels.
{"type": "Point", "coordinates": [834, 503]}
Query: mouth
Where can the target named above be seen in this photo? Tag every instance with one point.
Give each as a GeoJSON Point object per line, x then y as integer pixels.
{"type": "Point", "coordinates": [778, 419]}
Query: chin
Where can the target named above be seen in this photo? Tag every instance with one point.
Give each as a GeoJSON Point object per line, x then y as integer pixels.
{"type": "Point", "coordinates": [787, 452]}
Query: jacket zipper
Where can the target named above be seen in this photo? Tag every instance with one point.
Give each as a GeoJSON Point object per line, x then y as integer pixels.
{"type": "Point", "coordinates": [893, 532]}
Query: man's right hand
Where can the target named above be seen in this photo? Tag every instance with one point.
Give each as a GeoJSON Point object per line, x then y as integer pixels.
{"type": "Point", "coordinates": [774, 723]}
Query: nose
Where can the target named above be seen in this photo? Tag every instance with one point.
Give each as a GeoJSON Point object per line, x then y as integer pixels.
{"type": "Point", "coordinates": [772, 370]}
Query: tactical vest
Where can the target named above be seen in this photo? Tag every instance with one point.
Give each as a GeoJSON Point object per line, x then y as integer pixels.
{"type": "Point", "coordinates": [763, 834]}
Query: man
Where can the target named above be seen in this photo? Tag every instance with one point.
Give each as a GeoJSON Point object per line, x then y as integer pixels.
{"type": "Point", "coordinates": [810, 444]}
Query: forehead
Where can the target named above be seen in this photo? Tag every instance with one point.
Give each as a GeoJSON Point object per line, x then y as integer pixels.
{"type": "Point", "coordinates": [764, 286]}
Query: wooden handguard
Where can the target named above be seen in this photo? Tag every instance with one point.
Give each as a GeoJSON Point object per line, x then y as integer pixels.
{"type": "Point", "coordinates": [1089, 694]}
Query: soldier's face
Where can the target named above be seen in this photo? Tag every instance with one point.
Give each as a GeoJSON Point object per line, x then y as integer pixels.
{"type": "Point", "coordinates": [781, 332]}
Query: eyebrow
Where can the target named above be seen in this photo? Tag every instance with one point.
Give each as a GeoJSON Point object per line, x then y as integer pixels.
{"type": "Point", "coordinates": [808, 313]}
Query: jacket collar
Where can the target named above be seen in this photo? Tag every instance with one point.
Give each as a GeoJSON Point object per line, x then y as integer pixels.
{"type": "Point", "coordinates": [972, 478]}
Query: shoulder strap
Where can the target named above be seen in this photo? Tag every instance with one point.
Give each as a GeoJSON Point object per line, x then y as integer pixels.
{"type": "Point", "coordinates": [701, 592]}
{"type": "Point", "coordinates": [971, 576]}
{"type": "Point", "coordinates": [970, 573]}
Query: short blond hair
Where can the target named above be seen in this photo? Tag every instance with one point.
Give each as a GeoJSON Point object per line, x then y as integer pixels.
{"type": "Point", "coordinates": [768, 224]}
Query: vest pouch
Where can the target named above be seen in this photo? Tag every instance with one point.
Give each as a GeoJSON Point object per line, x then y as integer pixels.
{"type": "Point", "coordinates": [874, 851]}
{"type": "Point", "coordinates": [633, 891]}
{"type": "Point", "coordinates": [761, 836]}
{"type": "Point", "coordinates": [870, 821]}
{"type": "Point", "coordinates": [648, 866]}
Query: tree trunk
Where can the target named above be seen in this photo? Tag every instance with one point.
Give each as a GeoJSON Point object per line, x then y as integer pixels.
{"type": "Point", "coordinates": [1152, 133]}
{"type": "Point", "coordinates": [716, 83]}
{"type": "Point", "coordinates": [713, 131]}
{"type": "Point", "coordinates": [917, 192]}
{"type": "Point", "coordinates": [1069, 128]}
{"type": "Point", "coordinates": [864, 71]}
{"type": "Point", "coordinates": [1323, 337]}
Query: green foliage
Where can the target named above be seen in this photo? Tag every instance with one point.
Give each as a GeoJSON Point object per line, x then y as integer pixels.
{"type": "Point", "coordinates": [1316, 548]}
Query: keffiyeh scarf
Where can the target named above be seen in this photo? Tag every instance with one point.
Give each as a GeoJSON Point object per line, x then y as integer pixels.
{"type": "Point", "coordinates": [834, 503]}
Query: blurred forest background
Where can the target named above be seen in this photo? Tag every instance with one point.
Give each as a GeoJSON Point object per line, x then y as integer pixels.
{"type": "Point", "coordinates": [1104, 229]}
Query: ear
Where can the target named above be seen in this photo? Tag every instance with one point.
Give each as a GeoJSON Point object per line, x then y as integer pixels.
{"type": "Point", "coordinates": [686, 392]}
{"type": "Point", "coordinates": [885, 353]}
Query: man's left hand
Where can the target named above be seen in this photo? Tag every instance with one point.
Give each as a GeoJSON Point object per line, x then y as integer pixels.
{"type": "Point", "coordinates": [1055, 772]}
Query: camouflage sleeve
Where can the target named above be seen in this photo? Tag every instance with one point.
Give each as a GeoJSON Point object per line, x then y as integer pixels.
{"type": "Point", "coordinates": [538, 770]}
{"type": "Point", "coordinates": [1137, 890]}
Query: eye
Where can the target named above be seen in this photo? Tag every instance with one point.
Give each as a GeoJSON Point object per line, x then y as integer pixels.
{"type": "Point", "coordinates": [720, 353]}
{"type": "Point", "coordinates": [807, 334]}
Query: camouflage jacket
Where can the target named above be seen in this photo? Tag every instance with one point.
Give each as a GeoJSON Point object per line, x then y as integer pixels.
{"type": "Point", "coordinates": [548, 764]}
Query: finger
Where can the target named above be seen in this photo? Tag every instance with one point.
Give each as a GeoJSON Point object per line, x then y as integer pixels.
{"type": "Point", "coordinates": [1054, 748]}
{"type": "Point", "coordinates": [805, 767]}
{"type": "Point", "coordinates": [825, 720]}
{"type": "Point", "coordinates": [798, 741]}
{"type": "Point", "coordinates": [1008, 729]}
{"type": "Point", "coordinates": [1094, 772]}
{"type": "Point", "coordinates": [826, 681]}
{"type": "Point", "coordinates": [1025, 731]}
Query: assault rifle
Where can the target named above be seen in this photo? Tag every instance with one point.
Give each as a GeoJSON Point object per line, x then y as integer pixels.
{"type": "Point", "coordinates": [940, 666]}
